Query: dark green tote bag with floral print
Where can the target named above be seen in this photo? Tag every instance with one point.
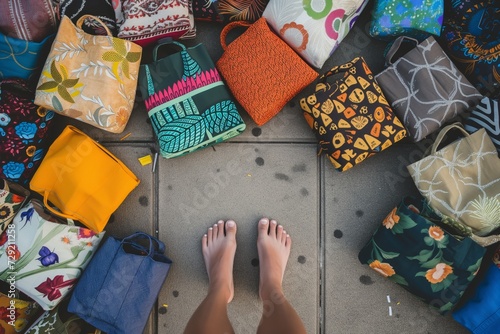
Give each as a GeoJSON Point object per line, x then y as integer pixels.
{"type": "Point", "coordinates": [413, 250]}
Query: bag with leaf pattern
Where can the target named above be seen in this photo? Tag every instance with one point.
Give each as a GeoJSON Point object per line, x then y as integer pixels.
{"type": "Point", "coordinates": [90, 78]}
{"type": "Point", "coordinates": [189, 105]}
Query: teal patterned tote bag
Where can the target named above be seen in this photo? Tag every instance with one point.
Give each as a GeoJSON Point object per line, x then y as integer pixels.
{"type": "Point", "coordinates": [188, 104]}
{"type": "Point", "coordinates": [413, 249]}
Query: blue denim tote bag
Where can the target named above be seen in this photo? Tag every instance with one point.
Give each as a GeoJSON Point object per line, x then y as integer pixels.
{"type": "Point", "coordinates": [119, 287]}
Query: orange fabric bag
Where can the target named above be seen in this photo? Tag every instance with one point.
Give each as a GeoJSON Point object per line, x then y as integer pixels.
{"type": "Point", "coordinates": [261, 70]}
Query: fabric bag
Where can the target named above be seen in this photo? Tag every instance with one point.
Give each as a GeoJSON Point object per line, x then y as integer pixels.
{"type": "Point", "coordinates": [206, 10]}
{"type": "Point", "coordinates": [25, 130]}
{"type": "Point", "coordinates": [17, 314]}
{"type": "Point", "coordinates": [12, 198]}
{"type": "Point", "coordinates": [82, 179]}
{"type": "Point", "coordinates": [393, 18]}
{"type": "Point", "coordinates": [90, 78]}
{"type": "Point", "coordinates": [22, 59]}
{"type": "Point", "coordinates": [425, 88]}
{"type": "Point", "coordinates": [313, 34]}
{"type": "Point", "coordinates": [49, 256]}
{"type": "Point", "coordinates": [481, 313]}
{"type": "Point", "coordinates": [351, 117]}
{"type": "Point", "coordinates": [102, 9]}
{"type": "Point", "coordinates": [421, 256]}
{"type": "Point", "coordinates": [241, 10]}
{"type": "Point", "coordinates": [188, 104]}
{"type": "Point", "coordinates": [28, 20]}
{"type": "Point", "coordinates": [145, 22]}
{"type": "Point", "coordinates": [486, 115]}
{"type": "Point", "coordinates": [471, 36]}
{"type": "Point", "coordinates": [60, 321]}
{"type": "Point", "coordinates": [261, 70]}
{"type": "Point", "coordinates": [120, 286]}
{"type": "Point", "coordinates": [462, 180]}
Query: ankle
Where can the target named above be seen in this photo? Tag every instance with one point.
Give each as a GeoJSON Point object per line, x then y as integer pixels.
{"type": "Point", "coordinates": [273, 293]}
{"type": "Point", "coordinates": [219, 290]}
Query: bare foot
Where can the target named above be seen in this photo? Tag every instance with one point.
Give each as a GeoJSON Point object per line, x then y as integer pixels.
{"type": "Point", "coordinates": [218, 252]}
{"type": "Point", "coordinates": [273, 245]}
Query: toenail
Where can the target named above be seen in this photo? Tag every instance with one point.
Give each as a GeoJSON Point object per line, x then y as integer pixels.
{"type": "Point", "coordinates": [230, 223]}
{"type": "Point", "coordinates": [273, 222]}
{"type": "Point", "coordinates": [264, 221]}
{"type": "Point", "coordinates": [210, 229]}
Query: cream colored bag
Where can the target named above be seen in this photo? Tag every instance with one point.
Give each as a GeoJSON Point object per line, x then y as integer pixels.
{"type": "Point", "coordinates": [462, 180]}
{"type": "Point", "coordinates": [90, 78]}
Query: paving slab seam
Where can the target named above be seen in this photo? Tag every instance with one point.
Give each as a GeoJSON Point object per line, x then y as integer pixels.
{"type": "Point", "coordinates": [322, 245]}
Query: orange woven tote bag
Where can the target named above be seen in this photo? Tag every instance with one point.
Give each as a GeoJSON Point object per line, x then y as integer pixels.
{"type": "Point", "coordinates": [261, 70]}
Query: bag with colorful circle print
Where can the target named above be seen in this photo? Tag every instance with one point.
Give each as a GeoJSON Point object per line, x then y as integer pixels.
{"type": "Point", "coordinates": [24, 130]}
{"type": "Point", "coordinates": [414, 249]}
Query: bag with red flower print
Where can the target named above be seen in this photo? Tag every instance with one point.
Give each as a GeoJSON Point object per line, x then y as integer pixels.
{"type": "Point", "coordinates": [415, 250]}
{"type": "Point", "coordinates": [46, 255]}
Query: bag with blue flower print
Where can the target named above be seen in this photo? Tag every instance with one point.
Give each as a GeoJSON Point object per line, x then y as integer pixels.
{"type": "Point", "coordinates": [413, 249]}
{"type": "Point", "coordinates": [43, 255]}
{"type": "Point", "coordinates": [88, 77]}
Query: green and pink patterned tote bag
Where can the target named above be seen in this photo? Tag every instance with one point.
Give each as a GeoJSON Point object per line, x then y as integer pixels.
{"type": "Point", "coordinates": [45, 257]}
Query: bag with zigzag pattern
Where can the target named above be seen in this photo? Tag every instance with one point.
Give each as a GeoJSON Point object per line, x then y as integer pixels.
{"type": "Point", "coordinates": [188, 104]}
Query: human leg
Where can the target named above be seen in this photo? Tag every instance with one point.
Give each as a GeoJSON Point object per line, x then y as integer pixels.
{"type": "Point", "coordinates": [218, 248]}
{"type": "Point", "coordinates": [273, 245]}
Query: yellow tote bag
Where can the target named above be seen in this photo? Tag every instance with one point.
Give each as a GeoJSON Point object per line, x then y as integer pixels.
{"type": "Point", "coordinates": [82, 179]}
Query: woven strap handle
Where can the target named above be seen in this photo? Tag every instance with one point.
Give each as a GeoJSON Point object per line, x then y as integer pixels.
{"type": "Point", "coordinates": [166, 41]}
{"type": "Point", "coordinates": [160, 246]}
{"type": "Point", "coordinates": [396, 46]}
{"type": "Point", "coordinates": [87, 16]}
{"type": "Point", "coordinates": [230, 27]}
{"type": "Point", "coordinates": [443, 133]}
{"type": "Point", "coordinates": [54, 211]}
{"type": "Point", "coordinates": [340, 68]}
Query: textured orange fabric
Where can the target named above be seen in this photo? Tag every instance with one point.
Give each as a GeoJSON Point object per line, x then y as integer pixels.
{"type": "Point", "coordinates": [262, 71]}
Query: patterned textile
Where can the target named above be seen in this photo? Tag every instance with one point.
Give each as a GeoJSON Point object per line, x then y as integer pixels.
{"type": "Point", "coordinates": [486, 115]}
{"type": "Point", "coordinates": [426, 89]}
{"type": "Point", "coordinates": [28, 20]}
{"type": "Point", "coordinates": [50, 256]}
{"type": "Point", "coordinates": [416, 18]}
{"type": "Point", "coordinates": [103, 9]}
{"type": "Point", "coordinates": [12, 197]}
{"type": "Point", "coordinates": [421, 256]}
{"type": "Point", "coordinates": [90, 78]}
{"type": "Point", "coordinates": [462, 180]}
{"type": "Point", "coordinates": [22, 59]}
{"type": "Point", "coordinates": [147, 21]}
{"type": "Point", "coordinates": [241, 10]}
{"type": "Point", "coordinates": [311, 33]}
{"type": "Point", "coordinates": [206, 10]}
{"type": "Point", "coordinates": [189, 105]}
{"type": "Point", "coordinates": [351, 117]}
{"type": "Point", "coordinates": [261, 70]}
{"type": "Point", "coordinates": [24, 128]}
{"type": "Point", "coordinates": [20, 318]}
{"type": "Point", "coordinates": [471, 35]}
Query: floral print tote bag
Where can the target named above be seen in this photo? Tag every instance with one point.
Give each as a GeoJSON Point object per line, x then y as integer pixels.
{"type": "Point", "coordinates": [90, 78]}
{"type": "Point", "coordinates": [12, 197]}
{"type": "Point", "coordinates": [462, 180]}
{"type": "Point", "coordinates": [16, 313]}
{"type": "Point", "coordinates": [421, 256]}
{"type": "Point", "coordinates": [46, 257]}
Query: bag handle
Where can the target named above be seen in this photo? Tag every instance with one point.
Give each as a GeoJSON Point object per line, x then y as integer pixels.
{"type": "Point", "coordinates": [70, 218]}
{"type": "Point", "coordinates": [230, 27]}
{"type": "Point", "coordinates": [87, 16]}
{"type": "Point", "coordinates": [443, 133]}
{"type": "Point", "coordinates": [166, 41]}
{"type": "Point", "coordinates": [396, 45]}
{"type": "Point", "coordinates": [152, 240]}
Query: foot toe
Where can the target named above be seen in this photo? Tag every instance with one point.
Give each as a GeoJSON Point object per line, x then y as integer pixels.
{"type": "Point", "coordinates": [273, 228]}
{"type": "Point", "coordinates": [220, 228]}
{"type": "Point", "coordinates": [263, 227]}
{"type": "Point", "coordinates": [230, 228]}
{"type": "Point", "coordinates": [209, 235]}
